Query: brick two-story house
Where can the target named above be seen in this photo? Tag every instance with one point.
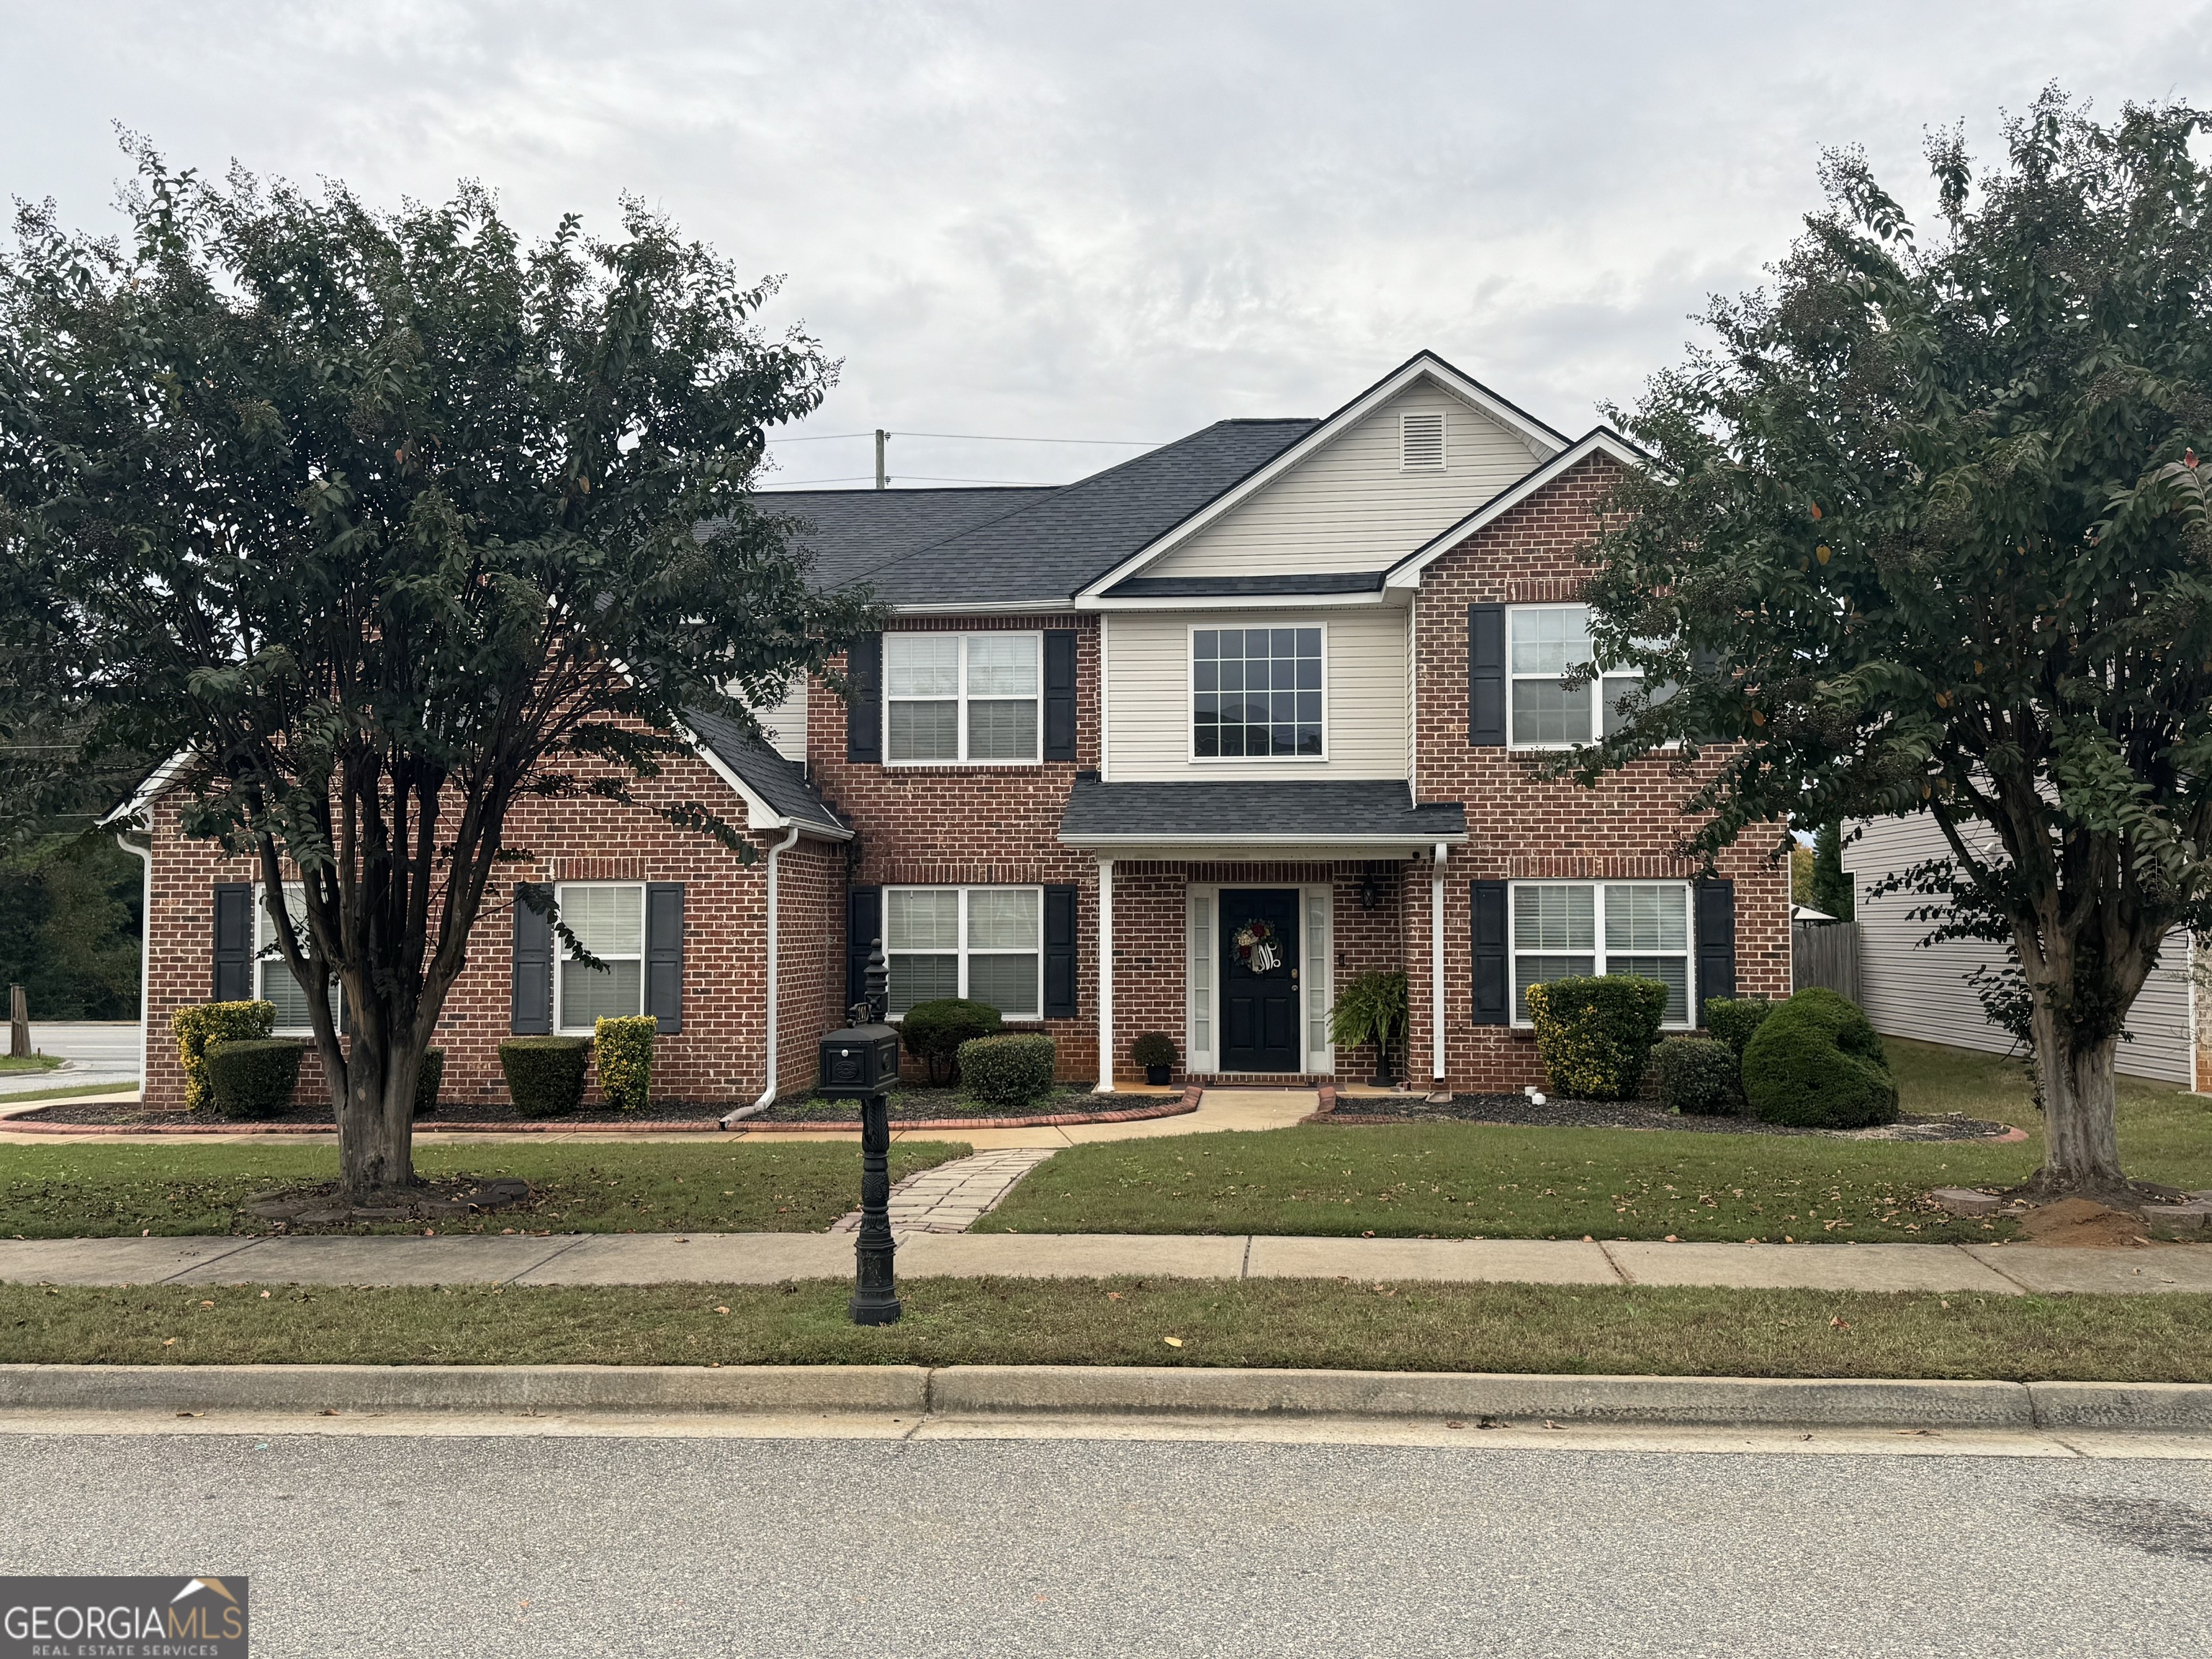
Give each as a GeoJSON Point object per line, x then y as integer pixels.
{"type": "Point", "coordinates": [1175, 748]}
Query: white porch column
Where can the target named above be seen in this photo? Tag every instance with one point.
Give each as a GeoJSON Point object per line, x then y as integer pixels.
{"type": "Point", "coordinates": [1437, 968]}
{"type": "Point", "coordinates": [1105, 976]}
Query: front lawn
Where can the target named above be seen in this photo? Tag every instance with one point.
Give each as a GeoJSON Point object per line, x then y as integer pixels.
{"type": "Point", "coordinates": [1458, 1181]}
{"type": "Point", "coordinates": [1632, 1329]}
{"type": "Point", "coordinates": [28, 1063]}
{"type": "Point", "coordinates": [92, 1189]}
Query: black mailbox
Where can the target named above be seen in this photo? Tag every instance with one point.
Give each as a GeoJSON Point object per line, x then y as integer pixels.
{"type": "Point", "coordinates": [860, 1062]}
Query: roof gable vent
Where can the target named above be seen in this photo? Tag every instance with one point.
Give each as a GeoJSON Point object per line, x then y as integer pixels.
{"type": "Point", "coordinates": [1421, 441]}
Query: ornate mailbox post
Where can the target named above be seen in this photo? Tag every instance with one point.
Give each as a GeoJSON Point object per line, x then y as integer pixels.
{"type": "Point", "coordinates": [861, 1063]}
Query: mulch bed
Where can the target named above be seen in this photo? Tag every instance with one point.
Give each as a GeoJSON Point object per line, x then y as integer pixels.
{"type": "Point", "coordinates": [948, 1109]}
{"type": "Point", "coordinates": [1556, 1114]}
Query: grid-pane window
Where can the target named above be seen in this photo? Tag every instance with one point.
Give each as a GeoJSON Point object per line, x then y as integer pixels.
{"type": "Point", "coordinates": [1198, 982]}
{"type": "Point", "coordinates": [982, 943]}
{"type": "Point", "coordinates": [1545, 643]}
{"type": "Point", "coordinates": [608, 918]}
{"type": "Point", "coordinates": [1563, 928]}
{"type": "Point", "coordinates": [961, 697]}
{"type": "Point", "coordinates": [1256, 693]}
{"type": "Point", "coordinates": [273, 978]}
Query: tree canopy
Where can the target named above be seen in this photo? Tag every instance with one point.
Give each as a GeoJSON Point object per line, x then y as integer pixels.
{"type": "Point", "coordinates": [1925, 534]}
{"type": "Point", "coordinates": [389, 521]}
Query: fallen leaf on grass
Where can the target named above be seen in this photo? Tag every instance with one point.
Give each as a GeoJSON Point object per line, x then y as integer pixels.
{"type": "Point", "coordinates": [206, 1304]}
{"type": "Point", "coordinates": [1454, 1423]}
{"type": "Point", "coordinates": [1172, 1341]}
{"type": "Point", "coordinates": [1113, 1296]}
{"type": "Point", "coordinates": [722, 1310]}
{"type": "Point", "coordinates": [1839, 1322]}
{"type": "Point", "coordinates": [168, 1341]}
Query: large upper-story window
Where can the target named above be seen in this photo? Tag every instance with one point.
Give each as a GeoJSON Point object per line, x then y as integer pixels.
{"type": "Point", "coordinates": [1544, 642]}
{"type": "Point", "coordinates": [961, 697]}
{"type": "Point", "coordinates": [986, 944]}
{"type": "Point", "coordinates": [1256, 693]}
{"type": "Point", "coordinates": [1562, 928]}
{"type": "Point", "coordinates": [273, 979]}
{"type": "Point", "coordinates": [608, 918]}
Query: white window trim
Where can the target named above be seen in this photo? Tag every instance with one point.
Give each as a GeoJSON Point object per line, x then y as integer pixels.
{"type": "Point", "coordinates": [961, 699]}
{"type": "Point", "coordinates": [1190, 696]}
{"type": "Point", "coordinates": [1595, 689]}
{"type": "Point", "coordinates": [1319, 962]}
{"type": "Point", "coordinates": [1318, 947]}
{"type": "Point", "coordinates": [964, 951]}
{"type": "Point", "coordinates": [1443, 419]}
{"type": "Point", "coordinates": [1689, 953]}
{"type": "Point", "coordinates": [262, 963]}
{"type": "Point", "coordinates": [561, 1025]}
{"type": "Point", "coordinates": [1207, 1060]}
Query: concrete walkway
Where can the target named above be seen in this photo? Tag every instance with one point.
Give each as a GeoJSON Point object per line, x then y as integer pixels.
{"type": "Point", "coordinates": [771, 1258]}
{"type": "Point", "coordinates": [953, 1197]}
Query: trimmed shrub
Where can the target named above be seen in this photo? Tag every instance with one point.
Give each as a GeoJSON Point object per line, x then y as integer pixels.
{"type": "Point", "coordinates": [427, 1083]}
{"type": "Point", "coordinates": [1595, 1032]}
{"type": "Point", "coordinates": [544, 1074]}
{"type": "Point", "coordinates": [622, 1051]}
{"type": "Point", "coordinates": [1697, 1076]}
{"type": "Point", "coordinates": [1733, 1019]}
{"type": "Point", "coordinates": [204, 1022]}
{"type": "Point", "coordinates": [252, 1077]}
{"type": "Point", "coordinates": [1007, 1071]}
{"type": "Point", "coordinates": [933, 1031]}
{"type": "Point", "coordinates": [1816, 1063]}
{"type": "Point", "coordinates": [1153, 1048]}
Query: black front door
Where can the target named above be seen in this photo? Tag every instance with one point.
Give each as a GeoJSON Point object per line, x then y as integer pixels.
{"type": "Point", "coordinates": [1260, 979]}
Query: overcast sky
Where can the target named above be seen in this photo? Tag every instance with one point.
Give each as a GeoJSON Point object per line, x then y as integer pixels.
{"type": "Point", "coordinates": [1107, 221]}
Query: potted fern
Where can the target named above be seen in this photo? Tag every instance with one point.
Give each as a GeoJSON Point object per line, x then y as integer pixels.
{"type": "Point", "coordinates": [1371, 1007]}
{"type": "Point", "coordinates": [1156, 1052]}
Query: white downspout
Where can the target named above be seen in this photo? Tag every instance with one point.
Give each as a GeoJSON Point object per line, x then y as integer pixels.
{"type": "Point", "coordinates": [768, 1091]}
{"type": "Point", "coordinates": [1437, 968]}
{"type": "Point", "coordinates": [145, 855]}
{"type": "Point", "coordinates": [1105, 977]}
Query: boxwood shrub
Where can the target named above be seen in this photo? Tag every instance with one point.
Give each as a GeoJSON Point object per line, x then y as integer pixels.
{"type": "Point", "coordinates": [204, 1022]}
{"type": "Point", "coordinates": [1007, 1071]}
{"type": "Point", "coordinates": [621, 1050]}
{"type": "Point", "coordinates": [252, 1077]}
{"type": "Point", "coordinates": [544, 1074]}
{"type": "Point", "coordinates": [933, 1031]}
{"type": "Point", "coordinates": [1697, 1076]}
{"type": "Point", "coordinates": [1816, 1063]}
{"type": "Point", "coordinates": [428, 1082]}
{"type": "Point", "coordinates": [1733, 1019]}
{"type": "Point", "coordinates": [1595, 1032]}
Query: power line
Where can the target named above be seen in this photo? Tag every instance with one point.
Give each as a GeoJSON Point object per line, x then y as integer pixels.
{"type": "Point", "coordinates": [975, 438]}
{"type": "Point", "coordinates": [903, 478]}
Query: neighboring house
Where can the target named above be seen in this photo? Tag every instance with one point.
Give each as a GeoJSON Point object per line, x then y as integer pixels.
{"type": "Point", "coordinates": [1912, 990]}
{"type": "Point", "coordinates": [1175, 748]}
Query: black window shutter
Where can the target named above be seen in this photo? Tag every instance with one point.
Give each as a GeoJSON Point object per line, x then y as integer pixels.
{"type": "Point", "coordinates": [1486, 676]}
{"type": "Point", "coordinates": [1706, 665]}
{"type": "Point", "coordinates": [1060, 952]}
{"type": "Point", "coordinates": [1493, 982]}
{"type": "Point", "coordinates": [233, 941]}
{"type": "Point", "coordinates": [663, 955]}
{"type": "Point", "coordinates": [1716, 943]}
{"type": "Point", "coordinates": [1059, 695]}
{"type": "Point", "coordinates": [864, 925]}
{"type": "Point", "coordinates": [532, 1011]}
{"type": "Point", "coordinates": [864, 699]}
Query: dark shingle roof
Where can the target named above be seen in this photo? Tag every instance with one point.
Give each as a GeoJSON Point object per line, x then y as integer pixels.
{"type": "Point", "coordinates": [1290, 810]}
{"type": "Point", "coordinates": [1013, 546]}
{"type": "Point", "coordinates": [781, 783]}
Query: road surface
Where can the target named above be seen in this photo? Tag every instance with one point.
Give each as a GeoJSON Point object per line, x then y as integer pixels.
{"type": "Point", "coordinates": [98, 1051]}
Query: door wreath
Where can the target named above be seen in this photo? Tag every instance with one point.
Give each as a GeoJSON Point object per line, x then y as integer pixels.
{"type": "Point", "coordinates": [1256, 948]}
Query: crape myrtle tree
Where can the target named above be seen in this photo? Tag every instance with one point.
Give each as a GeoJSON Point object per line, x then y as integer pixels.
{"type": "Point", "coordinates": [1927, 534]}
{"type": "Point", "coordinates": [390, 523]}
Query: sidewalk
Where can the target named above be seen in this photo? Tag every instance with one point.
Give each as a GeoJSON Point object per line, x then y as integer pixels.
{"type": "Point", "coordinates": [771, 1258]}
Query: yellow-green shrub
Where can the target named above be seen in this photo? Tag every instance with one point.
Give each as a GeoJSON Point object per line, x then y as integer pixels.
{"type": "Point", "coordinates": [622, 1051]}
{"type": "Point", "coordinates": [204, 1022]}
{"type": "Point", "coordinates": [1595, 1032]}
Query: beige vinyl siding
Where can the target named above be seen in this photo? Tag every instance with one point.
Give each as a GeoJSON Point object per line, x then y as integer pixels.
{"type": "Point", "coordinates": [1348, 507]}
{"type": "Point", "coordinates": [1148, 695]}
{"type": "Point", "coordinates": [1912, 991]}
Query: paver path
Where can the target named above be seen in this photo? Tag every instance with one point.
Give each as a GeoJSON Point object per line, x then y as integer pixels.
{"type": "Point", "coordinates": [949, 1197]}
{"type": "Point", "coordinates": [771, 1258]}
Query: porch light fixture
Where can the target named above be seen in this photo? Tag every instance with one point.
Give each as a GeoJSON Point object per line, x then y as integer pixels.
{"type": "Point", "coordinates": [1370, 890]}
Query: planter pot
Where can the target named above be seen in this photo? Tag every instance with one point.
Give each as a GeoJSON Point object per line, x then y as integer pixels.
{"type": "Point", "coordinates": [1158, 1075]}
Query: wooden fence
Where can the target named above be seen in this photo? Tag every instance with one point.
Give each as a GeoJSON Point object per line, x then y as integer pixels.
{"type": "Point", "coordinates": [1825, 953]}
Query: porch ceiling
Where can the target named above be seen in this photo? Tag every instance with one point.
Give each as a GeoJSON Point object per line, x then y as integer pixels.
{"type": "Point", "coordinates": [1257, 818]}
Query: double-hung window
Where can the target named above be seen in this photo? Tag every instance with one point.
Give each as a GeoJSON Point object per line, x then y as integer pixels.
{"type": "Point", "coordinates": [1563, 928]}
{"type": "Point", "coordinates": [1256, 693]}
{"type": "Point", "coordinates": [1543, 644]}
{"type": "Point", "coordinates": [982, 943]}
{"type": "Point", "coordinates": [961, 697]}
{"type": "Point", "coordinates": [608, 918]}
{"type": "Point", "coordinates": [273, 978]}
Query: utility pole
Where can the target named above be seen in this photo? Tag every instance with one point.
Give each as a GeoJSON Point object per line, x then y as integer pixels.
{"type": "Point", "coordinates": [19, 1025]}
{"type": "Point", "coordinates": [883, 478]}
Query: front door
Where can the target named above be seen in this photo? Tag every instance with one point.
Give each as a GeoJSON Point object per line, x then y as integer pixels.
{"type": "Point", "coordinates": [1260, 979]}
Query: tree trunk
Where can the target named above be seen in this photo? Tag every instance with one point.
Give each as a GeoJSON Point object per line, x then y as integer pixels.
{"type": "Point", "coordinates": [2082, 1153]}
{"type": "Point", "coordinates": [376, 1133]}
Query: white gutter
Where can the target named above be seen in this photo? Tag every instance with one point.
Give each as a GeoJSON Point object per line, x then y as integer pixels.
{"type": "Point", "coordinates": [145, 855]}
{"type": "Point", "coordinates": [1436, 967]}
{"type": "Point", "coordinates": [768, 1091]}
{"type": "Point", "coordinates": [1105, 977]}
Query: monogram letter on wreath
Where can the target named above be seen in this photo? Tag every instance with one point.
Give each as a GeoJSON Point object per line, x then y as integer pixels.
{"type": "Point", "coordinates": [1256, 948]}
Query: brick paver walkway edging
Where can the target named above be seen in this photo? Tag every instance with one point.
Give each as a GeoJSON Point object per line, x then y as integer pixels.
{"type": "Point", "coordinates": [951, 1197]}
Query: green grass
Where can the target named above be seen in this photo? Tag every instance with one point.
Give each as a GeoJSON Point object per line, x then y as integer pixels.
{"type": "Point", "coordinates": [1496, 1327]}
{"type": "Point", "coordinates": [91, 1189]}
{"type": "Point", "coordinates": [28, 1063]}
{"type": "Point", "coordinates": [1457, 1180]}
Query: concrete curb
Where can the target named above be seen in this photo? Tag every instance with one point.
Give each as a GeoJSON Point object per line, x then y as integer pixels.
{"type": "Point", "coordinates": [1088, 1390]}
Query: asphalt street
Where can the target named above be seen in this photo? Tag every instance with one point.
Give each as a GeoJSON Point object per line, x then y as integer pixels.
{"type": "Point", "coordinates": [98, 1051]}
{"type": "Point", "coordinates": [616, 1547]}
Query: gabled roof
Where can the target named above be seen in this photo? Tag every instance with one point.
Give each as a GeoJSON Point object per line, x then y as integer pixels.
{"type": "Point", "coordinates": [765, 778]}
{"type": "Point", "coordinates": [1598, 440]}
{"type": "Point", "coordinates": [1378, 812]}
{"type": "Point", "coordinates": [1424, 365]}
